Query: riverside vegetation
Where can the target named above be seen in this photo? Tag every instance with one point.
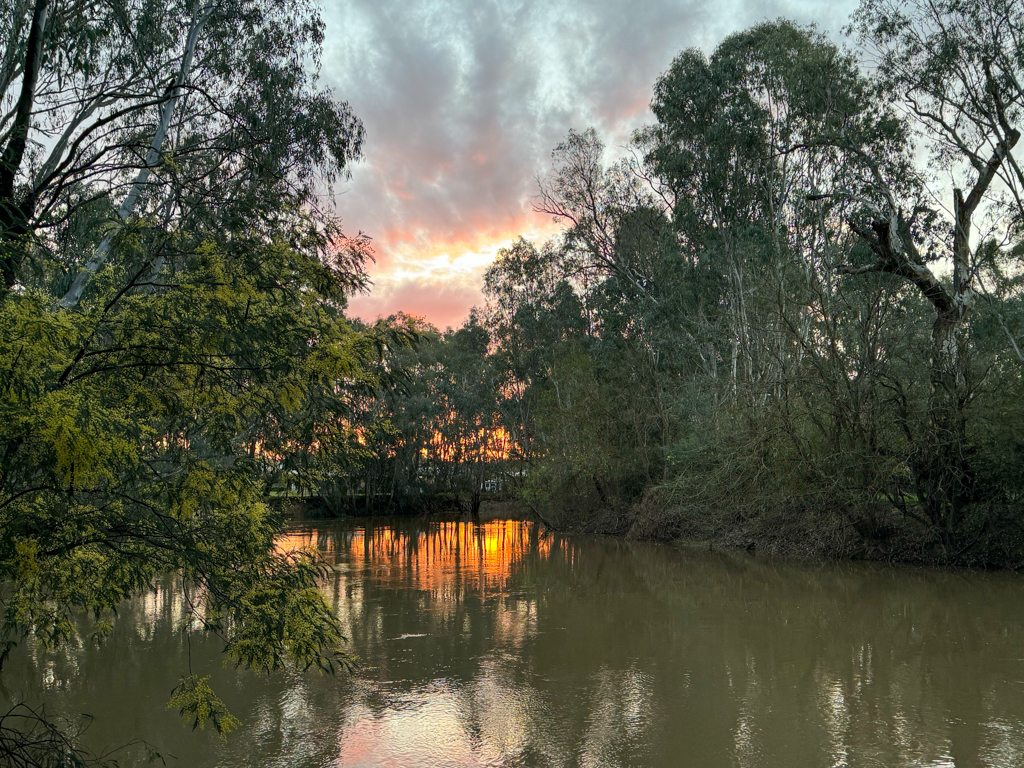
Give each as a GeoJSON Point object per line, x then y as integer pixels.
{"type": "Point", "coordinates": [172, 336]}
{"type": "Point", "coordinates": [788, 319]}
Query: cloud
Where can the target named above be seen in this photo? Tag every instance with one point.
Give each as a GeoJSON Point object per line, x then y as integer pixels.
{"type": "Point", "coordinates": [463, 101]}
{"type": "Point", "coordinates": [444, 304]}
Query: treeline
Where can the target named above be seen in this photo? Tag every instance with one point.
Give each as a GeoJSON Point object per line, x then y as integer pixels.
{"type": "Point", "coordinates": [790, 318]}
{"type": "Point", "coordinates": [426, 439]}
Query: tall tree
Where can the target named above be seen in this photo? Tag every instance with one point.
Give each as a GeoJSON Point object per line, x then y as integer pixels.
{"type": "Point", "coordinates": [169, 156]}
{"type": "Point", "coordinates": [151, 106]}
{"type": "Point", "coordinates": [956, 68]}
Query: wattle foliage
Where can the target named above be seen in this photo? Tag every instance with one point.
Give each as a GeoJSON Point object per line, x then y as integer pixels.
{"type": "Point", "coordinates": [141, 435]}
{"type": "Point", "coordinates": [173, 348]}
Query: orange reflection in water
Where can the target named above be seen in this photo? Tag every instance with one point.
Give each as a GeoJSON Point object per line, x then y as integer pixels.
{"type": "Point", "coordinates": [446, 559]}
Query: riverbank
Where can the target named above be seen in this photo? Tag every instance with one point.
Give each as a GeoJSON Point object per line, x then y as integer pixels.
{"type": "Point", "coordinates": [802, 532]}
{"type": "Point", "coordinates": [309, 508]}
{"type": "Point", "coordinates": [833, 533]}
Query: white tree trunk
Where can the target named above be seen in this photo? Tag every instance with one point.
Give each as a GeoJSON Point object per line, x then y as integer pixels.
{"type": "Point", "coordinates": [74, 293]}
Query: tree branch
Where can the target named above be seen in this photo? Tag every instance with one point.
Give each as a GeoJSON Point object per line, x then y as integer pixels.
{"type": "Point", "coordinates": [894, 263]}
{"type": "Point", "coordinates": [14, 152]}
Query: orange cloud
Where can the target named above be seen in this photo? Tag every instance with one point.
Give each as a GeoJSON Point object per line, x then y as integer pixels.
{"type": "Point", "coordinates": [463, 102]}
{"type": "Point", "coordinates": [440, 278]}
{"type": "Point", "coordinates": [399, 190]}
{"type": "Point", "coordinates": [442, 305]}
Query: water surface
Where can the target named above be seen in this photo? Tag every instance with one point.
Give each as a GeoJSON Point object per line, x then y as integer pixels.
{"type": "Point", "coordinates": [504, 645]}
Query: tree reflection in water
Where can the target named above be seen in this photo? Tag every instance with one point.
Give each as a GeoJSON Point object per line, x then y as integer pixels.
{"type": "Point", "coordinates": [504, 645]}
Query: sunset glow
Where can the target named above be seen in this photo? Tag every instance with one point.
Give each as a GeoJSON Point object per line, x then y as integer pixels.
{"type": "Point", "coordinates": [438, 280]}
{"type": "Point", "coordinates": [447, 560]}
{"type": "Point", "coordinates": [447, 179]}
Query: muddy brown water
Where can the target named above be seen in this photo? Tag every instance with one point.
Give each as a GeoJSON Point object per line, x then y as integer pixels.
{"type": "Point", "coordinates": [504, 645]}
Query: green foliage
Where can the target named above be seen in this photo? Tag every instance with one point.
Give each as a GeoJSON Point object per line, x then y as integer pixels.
{"type": "Point", "coordinates": [195, 700]}
{"type": "Point", "coordinates": [430, 435]}
{"type": "Point", "coordinates": [744, 333]}
{"type": "Point", "coordinates": [141, 438]}
{"type": "Point", "coordinates": [207, 362]}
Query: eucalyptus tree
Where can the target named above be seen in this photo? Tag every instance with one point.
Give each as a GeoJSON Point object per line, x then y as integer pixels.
{"type": "Point", "coordinates": [589, 199]}
{"type": "Point", "coordinates": [957, 70]}
{"type": "Point", "coordinates": [767, 321]}
{"type": "Point", "coordinates": [393, 428]}
{"type": "Point", "coordinates": [574, 372]}
{"type": "Point", "coordinates": [155, 106]}
{"type": "Point", "coordinates": [526, 290]}
{"type": "Point", "coordinates": [793, 174]}
{"type": "Point", "coordinates": [471, 439]}
{"type": "Point", "coordinates": [740, 141]}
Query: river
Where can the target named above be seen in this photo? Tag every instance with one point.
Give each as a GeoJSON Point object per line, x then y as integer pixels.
{"type": "Point", "coordinates": [504, 645]}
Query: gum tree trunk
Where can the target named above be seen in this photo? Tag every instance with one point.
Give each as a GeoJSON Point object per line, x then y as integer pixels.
{"type": "Point", "coordinates": [941, 460]}
{"type": "Point", "coordinates": [74, 293]}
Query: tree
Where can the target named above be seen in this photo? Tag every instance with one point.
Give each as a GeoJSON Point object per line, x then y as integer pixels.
{"type": "Point", "coordinates": [956, 69]}
{"type": "Point", "coordinates": [157, 106]}
{"type": "Point", "coordinates": [145, 416]}
{"type": "Point", "coordinates": [530, 310]}
{"type": "Point", "coordinates": [589, 200]}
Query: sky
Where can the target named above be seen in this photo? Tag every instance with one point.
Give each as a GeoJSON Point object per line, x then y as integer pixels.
{"type": "Point", "coordinates": [463, 101]}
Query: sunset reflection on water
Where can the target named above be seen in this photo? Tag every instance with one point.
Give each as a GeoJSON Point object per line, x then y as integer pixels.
{"type": "Point", "coordinates": [445, 559]}
{"type": "Point", "coordinates": [504, 644]}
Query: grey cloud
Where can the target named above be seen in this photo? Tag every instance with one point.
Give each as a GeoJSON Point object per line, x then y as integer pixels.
{"type": "Point", "coordinates": [464, 100]}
